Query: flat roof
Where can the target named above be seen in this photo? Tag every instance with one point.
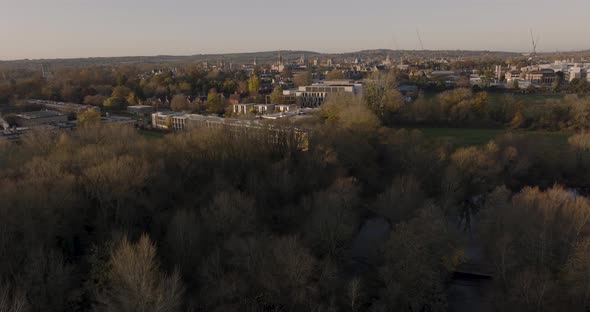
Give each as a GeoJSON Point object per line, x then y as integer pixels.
{"type": "Point", "coordinates": [40, 114]}
{"type": "Point", "coordinates": [168, 113]}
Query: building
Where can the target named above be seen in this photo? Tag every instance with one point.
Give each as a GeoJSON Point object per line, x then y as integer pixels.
{"type": "Point", "coordinates": [513, 74]}
{"type": "Point", "coordinates": [253, 129]}
{"type": "Point", "coordinates": [30, 119]}
{"type": "Point", "coordinates": [140, 110]}
{"type": "Point", "coordinates": [264, 109]}
{"type": "Point", "coordinates": [284, 108]}
{"type": "Point", "coordinates": [315, 95]}
{"type": "Point", "coordinates": [118, 119]}
{"type": "Point", "coordinates": [243, 109]}
{"type": "Point", "coordinates": [179, 122]}
{"type": "Point", "coordinates": [577, 73]}
{"type": "Point", "coordinates": [442, 73]}
{"type": "Point", "coordinates": [65, 107]}
{"type": "Point", "coordinates": [163, 120]}
{"type": "Point", "coordinates": [543, 76]}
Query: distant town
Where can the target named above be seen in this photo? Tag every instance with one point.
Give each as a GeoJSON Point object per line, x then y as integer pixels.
{"type": "Point", "coordinates": [291, 86]}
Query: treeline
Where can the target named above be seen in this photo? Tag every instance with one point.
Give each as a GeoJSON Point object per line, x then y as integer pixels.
{"type": "Point", "coordinates": [465, 108]}
{"type": "Point", "coordinates": [102, 219]}
{"type": "Point", "coordinates": [116, 87]}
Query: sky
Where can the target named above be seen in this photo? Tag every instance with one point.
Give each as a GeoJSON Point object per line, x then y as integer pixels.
{"type": "Point", "coordinates": [36, 29]}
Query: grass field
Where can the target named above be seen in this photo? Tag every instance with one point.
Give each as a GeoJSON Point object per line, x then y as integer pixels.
{"type": "Point", "coordinates": [496, 97]}
{"type": "Point", "coordinates": [469, 136]}
{"type": "Point", "coordinates": [151, 134]}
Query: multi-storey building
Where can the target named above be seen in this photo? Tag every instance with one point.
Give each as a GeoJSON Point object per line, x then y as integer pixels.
{"type": "Point", "coordinates": [316, 94]}
{"type": "Point", "coordinates": [254, 129]}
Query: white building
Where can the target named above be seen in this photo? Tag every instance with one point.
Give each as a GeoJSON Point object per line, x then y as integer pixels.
{"type": "Point", "coordinates": [243, 109]}
{"type": "Point", "coordinates": [316, 94]}
{"type": "Point", "coordinates": [264, 109]}
{"type": "Point", "coordinates": [283, 108]}
{"type": "Point", "coordinates": [167, 120]}
{"type": "Point", "coordinates": [577, 72]}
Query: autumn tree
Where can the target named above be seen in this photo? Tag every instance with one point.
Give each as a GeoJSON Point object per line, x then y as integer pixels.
{"type": "Point", "coordinates": [179, 103]}
{"type": "Point", "coordinates": [303, 79]}
{"type": "Point", "coordinates": [335, 74]}
{"type": "Point", "coordinates": [383, 97]}
{"type": "Point", "coordinates": [215, 102]}
{"type": "Point", "coordinates": [88, 117]}
{"type": "Point", "coordinates": [253, 85]}
{"type": "Point", "coordinates": [276, 97]}
{"type": "Point", "coordinates": [349, 112]}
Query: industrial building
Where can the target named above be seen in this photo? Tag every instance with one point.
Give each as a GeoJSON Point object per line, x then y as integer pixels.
{"type": "Point", "coordinates": [30, 119]}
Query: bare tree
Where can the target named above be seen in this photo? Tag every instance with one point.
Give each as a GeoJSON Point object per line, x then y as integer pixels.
{"type": "Point", "coordinates": [136, 282]}
{"type": "Point", "coordinates": [12, 300]}
{"type": "Point", "coordinates": [355, 294]}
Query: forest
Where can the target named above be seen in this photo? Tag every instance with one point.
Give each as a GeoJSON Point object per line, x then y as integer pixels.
{"type": "Point", "coordinates": [373, 215]}
{"type": "Point", "coordinates": [104, 219]}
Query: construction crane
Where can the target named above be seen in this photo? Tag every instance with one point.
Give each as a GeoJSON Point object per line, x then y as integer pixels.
{"type": "Point", "coordinates": [420, 39]}
{"type": "Point", "coordinates": [535, 42]}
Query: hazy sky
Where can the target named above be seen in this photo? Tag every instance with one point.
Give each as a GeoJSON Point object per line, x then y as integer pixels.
{"type": "Point", "coordinates": [83, 28]}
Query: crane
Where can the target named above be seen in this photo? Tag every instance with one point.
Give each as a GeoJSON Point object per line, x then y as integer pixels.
{"type": "Point", "coordinates": [420, 39]}
{"type": "Point", "coordinates": [535, 42]}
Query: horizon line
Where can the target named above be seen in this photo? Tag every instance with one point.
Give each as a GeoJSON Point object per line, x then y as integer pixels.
{"type": "Point", "coordinates": [290, 50]}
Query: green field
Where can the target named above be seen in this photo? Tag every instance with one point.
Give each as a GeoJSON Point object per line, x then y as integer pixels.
{"type": "Point", "coordinates": [497, 97]}
{"type": "Point", "coordinates": [151, 134]}
{"type": "Point", "coordinates": [468, 136]}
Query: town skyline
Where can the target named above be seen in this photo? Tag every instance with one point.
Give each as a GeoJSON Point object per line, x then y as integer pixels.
{"type": "Point", "coordinates": [306, 53]}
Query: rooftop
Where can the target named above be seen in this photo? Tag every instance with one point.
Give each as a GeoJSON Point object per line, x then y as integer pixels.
{"type": "Point", "coordinates": [168, 113]}
{"type": "Point", "coordinates": [40, 114]}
